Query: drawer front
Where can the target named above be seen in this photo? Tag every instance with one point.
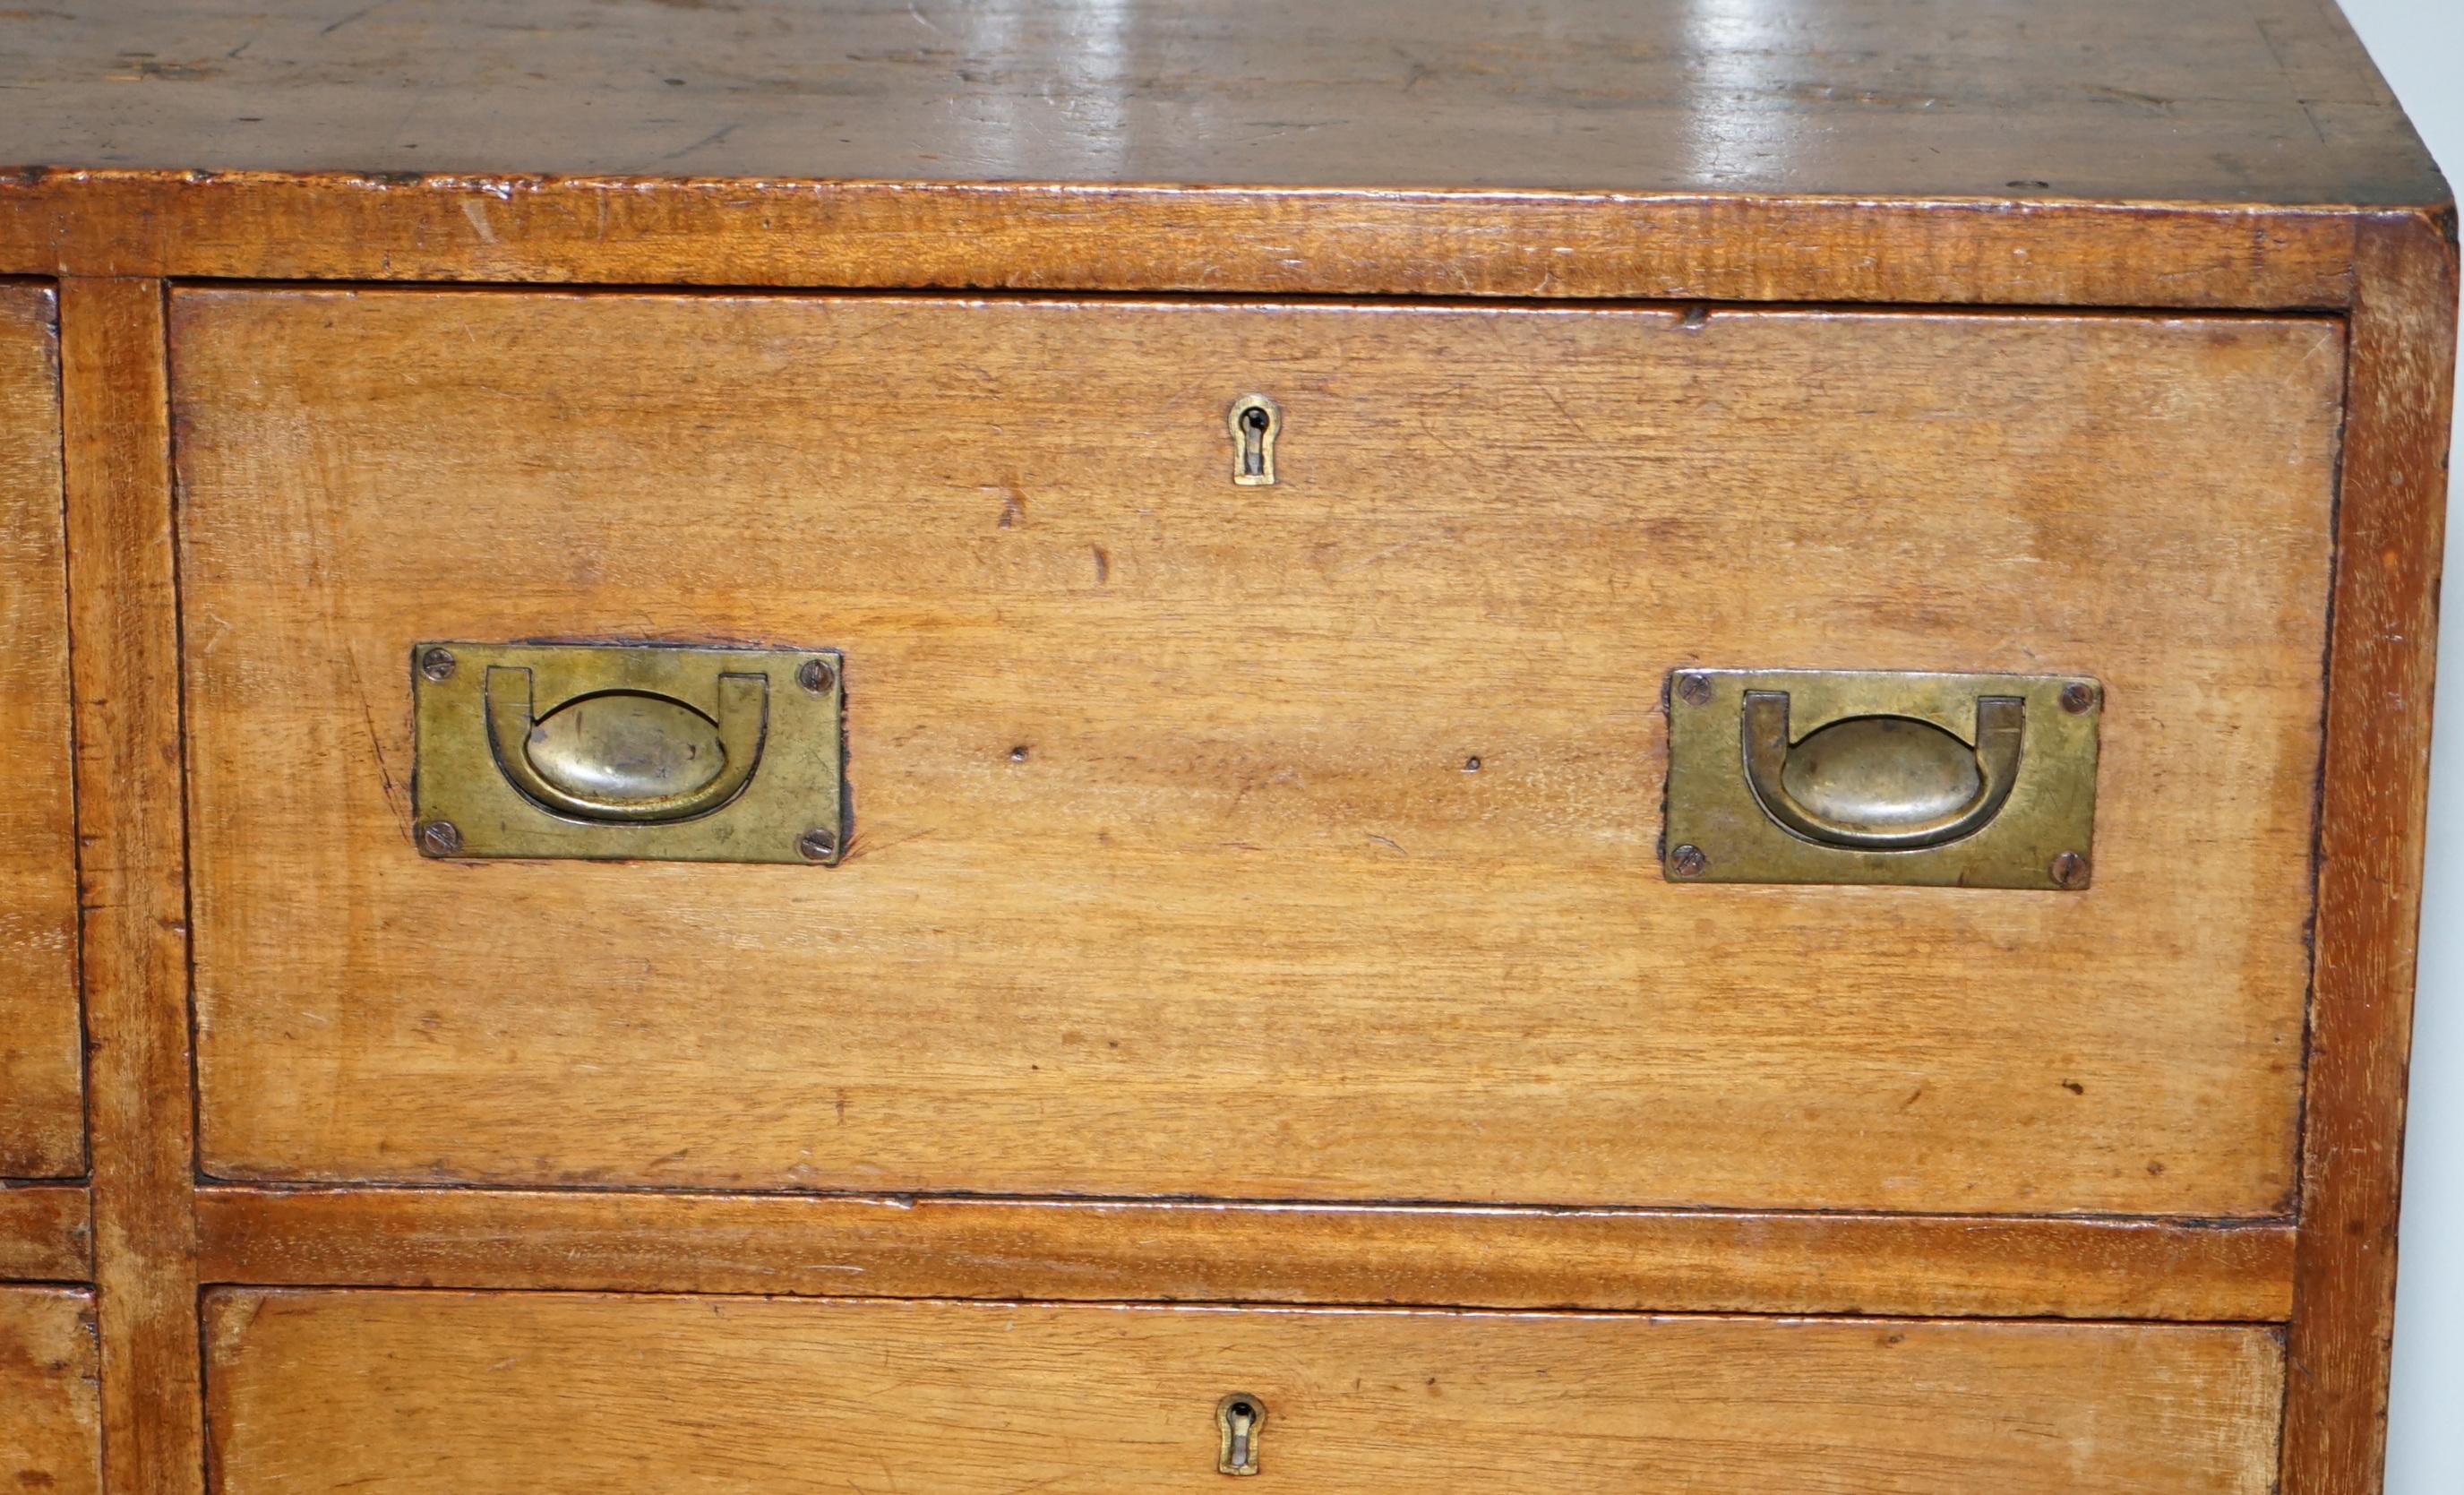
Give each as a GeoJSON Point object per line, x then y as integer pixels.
{"type": "Point", "coordinates": [473, 1393]}
{"type": "Point", "coordinates": [42, 1118]}
{"type": "Point", "coordinates": [1289, 840]}
{"type": "Point", "coordinates": [51, 1405]}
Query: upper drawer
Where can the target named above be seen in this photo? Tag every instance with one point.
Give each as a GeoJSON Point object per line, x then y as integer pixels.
{"type": "Point", "coordinates": [50, 1412]}
{"type": "Point", "coordinates": [42, 1118]}
{"type": "Point", "coordinates": [1254, 840]}
{"type": "Point", "coordinates": [524, 1393]}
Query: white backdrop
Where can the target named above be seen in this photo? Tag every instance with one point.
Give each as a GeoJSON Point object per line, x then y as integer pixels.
{"type": "Point", "coordinates": [2419, 45]}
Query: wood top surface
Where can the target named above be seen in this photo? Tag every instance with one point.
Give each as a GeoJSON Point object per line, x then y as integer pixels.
{"type": "Point", "coordinates": [2267, 103]}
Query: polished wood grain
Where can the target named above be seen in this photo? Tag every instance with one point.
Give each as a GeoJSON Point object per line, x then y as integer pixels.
{"type": "Point", "coordinates": [42, 1111]}
{"type": "Point", "coordinates": [1699, 1261]}
{"type": "Point", "coordinates": [1222, 240]}
{"type": "Point", "coordinates": [49, 1418]}
{"type": "Point", "coordinates": [1169, 877]}
{"type": "Point", "coordinates": [478, 1394]}
{"type": "Point", "coordinates": [132, 877]}
{"type": "Point", "coordinates": [46, 1233]}
{"type": "Point", "coordinates": [2234, 100]}
{"type": "Point", "coordinates": [2375, 804]}
{"type": "Point", "coordinates": [2073, 152]}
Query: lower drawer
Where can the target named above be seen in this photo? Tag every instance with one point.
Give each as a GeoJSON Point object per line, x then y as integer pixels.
{"type": "Point", "coordinates": [478, 1393]}
{"type": "Point", "coordinates": [51, 1406]}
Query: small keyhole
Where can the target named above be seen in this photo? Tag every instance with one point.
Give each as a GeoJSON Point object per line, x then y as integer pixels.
{"type": "Point", "coordinates": [1239, 1417]}
{"type": "Point", "coordinates": [1255, 420]}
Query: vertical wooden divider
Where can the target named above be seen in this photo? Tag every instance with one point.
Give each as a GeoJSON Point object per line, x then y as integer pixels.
{"type": "Point", "coordinates": [132, 878]}
{"type": "Point", "coordinates": [2381, 650]}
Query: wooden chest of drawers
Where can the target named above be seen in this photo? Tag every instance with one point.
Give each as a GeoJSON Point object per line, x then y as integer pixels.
{"type": "Point", "coordinates": [1099, 747]}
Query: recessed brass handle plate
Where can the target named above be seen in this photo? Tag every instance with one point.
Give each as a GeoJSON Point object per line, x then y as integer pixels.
{"type": "Point", "coordinates": [612, 752]}
{"type": "Point", "coordinates": [1969, 780]}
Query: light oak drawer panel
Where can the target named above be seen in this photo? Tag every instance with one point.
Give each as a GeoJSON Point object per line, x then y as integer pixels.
{"type": "Point", "coordinates": [1168, 874]}
{"type": "Point", "coordinates": [479, 1394]}
{"type": "Point", "coordinates": [42, 1114]}
{"type": "Point", "coordinates": [51, 1406]}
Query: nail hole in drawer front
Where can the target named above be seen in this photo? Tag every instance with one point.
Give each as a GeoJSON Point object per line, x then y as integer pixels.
{"type": "Point", "coordinates": [1164, 840]}
{"type": "Point", "coordinates": [518, 1394]}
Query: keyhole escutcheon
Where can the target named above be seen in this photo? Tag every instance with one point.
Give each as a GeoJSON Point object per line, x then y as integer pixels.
{"type": "Point", "coordinates": [1255, 421]}
{"type": "Point", "coordinates": [1238, 1417]}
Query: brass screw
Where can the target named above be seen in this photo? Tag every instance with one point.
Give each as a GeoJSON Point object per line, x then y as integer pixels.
{"type": "Point", "coordinates": [437, 664]}
{"type": "Point", "coordinates": [2070, 871]}
{"type": "Point", "coordinates": [2078, 697]}
{"type": "Point", "coordinates": [816, 675]}
{"type": "Point", "coordinates": [1688, 861]}
{"type": "Point", "coordinates": [1693, 690]}
{"type": "Point", "coordinates": [817, 844]}
{"type": "Point", "coordinates": [439, 838]}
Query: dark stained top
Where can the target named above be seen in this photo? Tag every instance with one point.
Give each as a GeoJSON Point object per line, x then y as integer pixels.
{"type": "Point", "coordinates": [2259, 101]}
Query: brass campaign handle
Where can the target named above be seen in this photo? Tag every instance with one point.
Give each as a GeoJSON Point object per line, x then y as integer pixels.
{"type": "Point", "coordinates": [743, 714]}
{"type": "Point", "coordinates": [2000, 725]}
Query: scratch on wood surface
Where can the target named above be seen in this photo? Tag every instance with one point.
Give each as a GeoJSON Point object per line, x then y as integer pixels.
{"type": "Point", "coordinates": [376, 749]}
{"type": "Point", "coordinates": [358, 15]}
{"type": "Point", "coordinates": [713, 138]}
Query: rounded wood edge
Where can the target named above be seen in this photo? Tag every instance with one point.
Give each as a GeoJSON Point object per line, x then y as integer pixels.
{"type": "Point", "coordinates": [1216, 240]}
{"type": "Point", "coordinates": [2373, 823]}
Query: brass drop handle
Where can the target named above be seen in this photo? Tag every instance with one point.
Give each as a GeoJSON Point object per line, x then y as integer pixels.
{"type": "Point", "coordinates": [1882, 784]}
{"type": "Point", "coordinates": [627, 757]}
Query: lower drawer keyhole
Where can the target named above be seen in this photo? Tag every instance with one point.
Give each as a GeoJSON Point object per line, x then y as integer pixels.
{"type": "Point", "coordinates": [1238, 1417]}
